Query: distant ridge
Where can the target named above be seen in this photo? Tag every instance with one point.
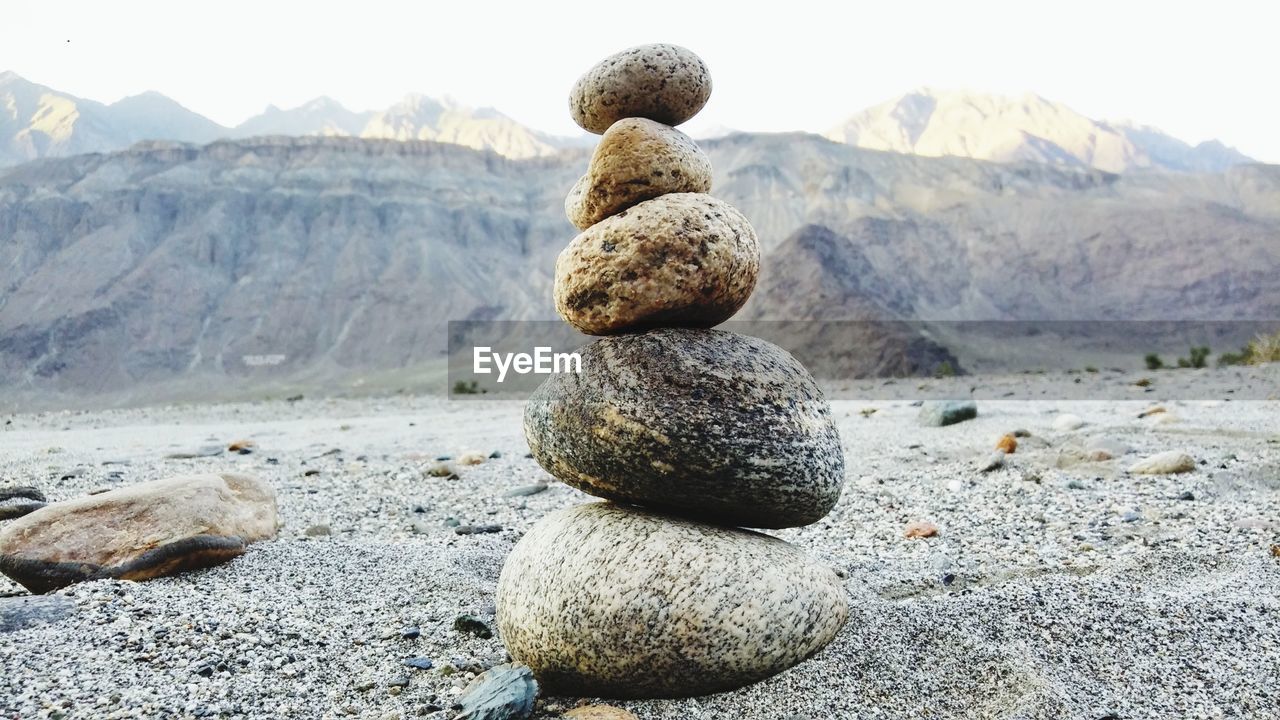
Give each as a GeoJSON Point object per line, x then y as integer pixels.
{"type": "Point", "coordinates": [37, 122]}
{"type": "Point", "coordinates": [939, 123]}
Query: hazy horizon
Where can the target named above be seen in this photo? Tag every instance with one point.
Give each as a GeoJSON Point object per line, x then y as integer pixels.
{"type": "Point", "coordinates": [1185, 72]}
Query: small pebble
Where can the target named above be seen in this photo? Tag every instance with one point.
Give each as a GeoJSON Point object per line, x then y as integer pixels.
{"type": "Point", "coordinates": [477, 529]}
{"type": "Point", "coordinates": [533, 489]}
{"type": "Point", "coordinates": [921, 529]}
{"type": "Point", "coordinates": [473, 626]}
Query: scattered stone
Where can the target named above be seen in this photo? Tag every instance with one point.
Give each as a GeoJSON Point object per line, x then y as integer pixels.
{"type": "Point", "coordinates": [661, 82]}
{"type": "Point", "coordinates": [602, 600]}
{"type": "Point", "coordinates": [684, 259]}
{"type": "Point", "coordinates": [599, 712]}
{"type": "Point", "coordinates": [708, 424]}
{"type": "Point", "coordinates": [139, 532]}
{"type": "Point", "coordinates": [476, 529]}
{"type": "Point", "coordinates": [1021, 433]}
{"type": "Point", "coordinates": [1152, 411]}
{"type": "Point", "coordinates": [1130, 516]}
{"type": "Point", "coordinates": [243, 447]}
{"type": "Point", "coordinates": [471, 458]}
{"type": "Point", "coordinates": [947, 412]}
{"type": "Point", "coordinates": [921, 529]}
{"type": "Point", "coordinates": [16, 502]}
{"type": "Point", "coordinates": [206, 451]}
{"type": "Point", "coordinates": [1070, 456]}
{"type": "Point", "coordinates": [1067, 422]}
{"type": "Point", "coordinates": [441, 470]}
{"type": "Point", "coordinates": [1007, 444]}
{"type": "Point", "coordinates": [1102, 448]}
{"type": "Point", "coordinates": [321, 530]}
{"type": "Point", "coordinates": [20, 613]}
{"type": "Point", "coordinates": [636, 160]}
{"type": "Point", "coordinates": [410, 633]}
{"type": "Point", "coordinates": [1165, 463]}
{"type": "Point", "coordinates": [495, 455]}
{"type": "Point", "coordinates": [505, 692]}
{"type": "Point", "coordinates": [525, 490]}
{"type": "Point", "coordinates": [472, 625]}
{"type": "Point", "coordinates": [400, 681]}
{"type": "Point", "coordinates": [1187, 495]}
{"type": "Point", "coordinates": [994, 462]}
{"type": "Point", "coordinates": [419, 663]}
{"type": "Point", "coordinates": [1074, 484]}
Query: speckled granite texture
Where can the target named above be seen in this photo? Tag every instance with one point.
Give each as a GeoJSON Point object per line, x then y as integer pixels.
{"type": "Point", "coordinates": [661, 82]}
{"type": "Point", "coordinates": [709, 424]}
{"type": "Point", "coordinates": [603, 600]}
{"type": "Point", "coordinates": [683, 260]}
{"type": "Point", "coordinates": [636, 160]}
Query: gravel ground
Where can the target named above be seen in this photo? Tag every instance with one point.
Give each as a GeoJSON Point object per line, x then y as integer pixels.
{"type": "Point", "coordinates": [1049, 592]}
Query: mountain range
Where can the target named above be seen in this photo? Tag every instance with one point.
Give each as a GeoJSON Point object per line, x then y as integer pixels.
{"type": "Point", "coordinates": [38, 122]}
{"type": "Point", "coordinates": [172, 270]}
{"type": "Point", "coordinates": [1029, 128]}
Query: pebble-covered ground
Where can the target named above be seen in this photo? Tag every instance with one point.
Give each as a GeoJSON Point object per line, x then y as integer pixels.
{"type": "Point", "coordinates": [1055, 587]}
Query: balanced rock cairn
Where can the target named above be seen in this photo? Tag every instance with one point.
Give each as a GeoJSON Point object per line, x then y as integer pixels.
{"type": "Point", "coordinates": [692, 434]}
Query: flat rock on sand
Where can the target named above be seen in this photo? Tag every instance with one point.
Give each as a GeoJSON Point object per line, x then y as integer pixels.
{"type": "Point", "coordinates": [138, 532]}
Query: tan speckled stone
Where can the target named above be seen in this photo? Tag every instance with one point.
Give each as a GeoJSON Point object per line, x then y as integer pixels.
{"type": "Point", "coordinates": [679, 260]}
{"type": "Point", "coordinates": [139, 532]}
{"type": "Point", "coordinates": [666, 83]}
{"type": "Point", "coordinates": [637, 160]}
{"type": "Point", "coordinates": [607, 601]}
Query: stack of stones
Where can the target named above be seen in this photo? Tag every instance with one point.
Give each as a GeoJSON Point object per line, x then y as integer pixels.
{"type": "Point", "coordinates": [691, 434]}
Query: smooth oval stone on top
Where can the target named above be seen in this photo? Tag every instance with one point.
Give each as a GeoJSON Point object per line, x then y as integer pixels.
{"type": "Point", "coordinates": [708, 424]}
{"type": "Point", "coordinates": [609, 601]}
{"type": "Point", "coordinates": [684, 259]}
{"type": "Point", "coordinates": [138, 532]}
{"type": "Point", "coordinates": [666, 83]}
{"type": "Point", "coordinates": [637, 160]}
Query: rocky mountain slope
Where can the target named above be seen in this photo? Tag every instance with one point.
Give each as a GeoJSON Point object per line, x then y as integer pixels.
{"type": "Point", "coordinates": [178, 269]}
{"type": "Point", "coordinates": [38, 122]}
{"type": "Point", "coordinates": [1029, 128]}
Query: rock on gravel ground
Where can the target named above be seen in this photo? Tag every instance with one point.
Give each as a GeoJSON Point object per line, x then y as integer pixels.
{"type": "Point", "coordinates": [1084, 592]}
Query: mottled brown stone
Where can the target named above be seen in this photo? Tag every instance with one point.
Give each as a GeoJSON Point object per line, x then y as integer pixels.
{"type": "Point", "coordinates": [683, 260]}
{"type": "Point", "coordinates": [661, 82]}
{"type": "Point", "coordinates": [708, 424]}
{"type": "Point", "coordinates": [608, 601]}
{"type": "Point", "coordinates": [138, 532]}
{"type": "Point", "coordinates": [636, 160]}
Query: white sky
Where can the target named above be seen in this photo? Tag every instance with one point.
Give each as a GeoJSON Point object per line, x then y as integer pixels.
{"type": "Point", "coordinates": [1197, 70]}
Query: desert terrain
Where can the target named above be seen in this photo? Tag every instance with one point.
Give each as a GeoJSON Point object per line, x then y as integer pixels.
{"type": "Point", "coordinates": [1056, 585]}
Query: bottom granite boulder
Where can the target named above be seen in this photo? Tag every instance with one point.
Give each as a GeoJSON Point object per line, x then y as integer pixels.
{"type": "Point", "coordinates": [610, 601]}
{"type": "Point", "coordinates": [138, 532]}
